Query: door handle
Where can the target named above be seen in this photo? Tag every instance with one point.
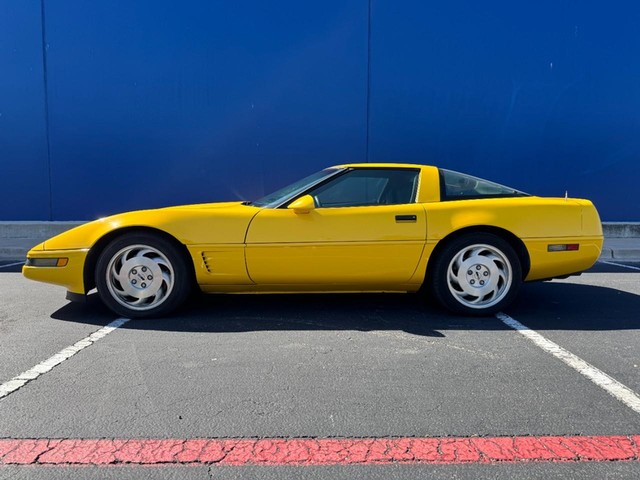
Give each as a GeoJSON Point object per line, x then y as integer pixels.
{"type": "Point", "coordinates": [406, 218]}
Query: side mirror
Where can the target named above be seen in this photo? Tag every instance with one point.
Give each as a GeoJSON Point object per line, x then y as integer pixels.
{"type": "Point", "coordinates": [303, 204]}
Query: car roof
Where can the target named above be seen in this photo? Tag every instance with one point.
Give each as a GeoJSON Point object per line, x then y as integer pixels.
{"type": "Point", "coordinates": [381, 165]}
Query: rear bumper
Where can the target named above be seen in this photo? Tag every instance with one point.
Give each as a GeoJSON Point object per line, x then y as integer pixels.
{"type": "Point", "coordinates": [545, 264]}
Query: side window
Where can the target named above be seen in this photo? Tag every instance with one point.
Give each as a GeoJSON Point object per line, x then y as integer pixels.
{"type": "Point", "coordinates": [459, 186]}
{"type": "Point", "coordinates": [362, 187]}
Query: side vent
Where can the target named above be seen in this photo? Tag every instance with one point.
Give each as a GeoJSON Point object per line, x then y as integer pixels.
{"type": "Point", "coordinates": [207, 261]}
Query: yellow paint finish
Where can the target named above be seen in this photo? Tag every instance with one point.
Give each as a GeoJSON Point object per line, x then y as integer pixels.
{"type": "Point", "coordinates": [217, 223]}
{"type": "Point", "coordinates": [545, 264]}
{"type": "Point", "coordinates": [214, 225]}
{"type": "Point", "coordinates": [38, 247]}
{"type": "Point", "coordinates": [525, 217]}
{"type": "Point", "coordinates": [309, 288]}
{"type": "Point", "coordinates": [591, 225]}
{"type": "Point", "coordinates": [70, 276]}
{"type": "Point", "coordinates": [304, 204]}
{"type": "Point", "coordinates": [429, 186]}
{"type": "Point", "coordinates": [220, 264]}
{"type": "Point", "coordinates": [359, 265]}
{"type": "Point", "coordinates": [355, 245]}
{"type": "Point", "coordinates": [201, 227]}
{"type": "Point", "coordinates": [421, 271]}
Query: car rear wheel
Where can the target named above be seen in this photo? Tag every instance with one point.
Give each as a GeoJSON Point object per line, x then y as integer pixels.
{"type": "Point", "coordinates": [142, 275]}
{"type": "Point", "coordinates": [477, 274]}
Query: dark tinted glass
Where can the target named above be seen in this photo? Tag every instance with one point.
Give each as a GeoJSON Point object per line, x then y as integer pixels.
{"type": "Point", "coordinates": [456, 185]}
{"type": "Point", "coordinates": [361, 187]}
{"type": "Point", "coordinates": [280, 195]}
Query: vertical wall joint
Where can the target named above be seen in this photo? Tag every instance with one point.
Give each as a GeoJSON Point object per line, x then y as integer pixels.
{"type": "Point", "coordinates": [368, 106]}
{"type": "Point", "coordinates": [46, 103]}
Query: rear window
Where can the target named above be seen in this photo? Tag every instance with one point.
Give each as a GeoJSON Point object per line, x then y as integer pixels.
{"type": "Point", "coordinates": [459, 186]}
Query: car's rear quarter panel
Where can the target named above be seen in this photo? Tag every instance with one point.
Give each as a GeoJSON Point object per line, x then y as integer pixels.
{"type": "Point", "coordinates": [536, 221]}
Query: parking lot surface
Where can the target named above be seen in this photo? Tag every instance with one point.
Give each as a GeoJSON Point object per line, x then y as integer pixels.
{"type": "Point", "coordinates": [365, 386]}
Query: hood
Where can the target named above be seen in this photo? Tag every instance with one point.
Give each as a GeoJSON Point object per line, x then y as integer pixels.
{"type": "Point", "coordinates": [201, 206]}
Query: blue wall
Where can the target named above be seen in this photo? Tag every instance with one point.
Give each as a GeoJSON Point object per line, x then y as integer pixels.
{"type": "Point", "coordinates": [24, 161]}
{"type": "Point", "coordinates": [115, 105]}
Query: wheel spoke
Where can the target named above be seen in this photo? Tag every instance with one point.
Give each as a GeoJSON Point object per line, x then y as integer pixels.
{"type": "Point", "coordinates": [139, 301]}
{"type": "Point", "coordinates": [457, 263]}
{"type": "Point", "coordinates": [118, 289]}
{"type": "Point", "coordinates": [162, 291]}
{"type": "Point", "coordinates": [127, 254]}
{"type": "Point", "coordinates": [147, 251]}
{"type": "Point", "coordinates": [475, 300]}
{"type": "Point", "coordinates": [116, 274]}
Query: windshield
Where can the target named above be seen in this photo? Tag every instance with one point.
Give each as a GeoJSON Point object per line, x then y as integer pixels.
{"type": "Point", "coordinates": [458, 186]}
{"type": "Point", "coordinates": [279, 196]}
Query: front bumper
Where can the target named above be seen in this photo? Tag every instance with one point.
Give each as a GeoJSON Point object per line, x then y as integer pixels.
{"type": "Point", "coordinates": [70, 276]}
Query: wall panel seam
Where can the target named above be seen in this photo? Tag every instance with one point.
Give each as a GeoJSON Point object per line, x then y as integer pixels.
{"type": "Point", "coordinates": [368, 99]}
{"type": "Point", "coordinates": [46, 105]}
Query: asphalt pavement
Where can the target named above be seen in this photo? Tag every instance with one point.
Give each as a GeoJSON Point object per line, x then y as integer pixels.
{"type": "Point", "coordinates": [318, 368]}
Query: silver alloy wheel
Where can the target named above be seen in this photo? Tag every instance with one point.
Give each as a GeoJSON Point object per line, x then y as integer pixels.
{"type": "Point", "coordinates": [140, 277]}
{"type": "Point", "coordinates": [479, 276]}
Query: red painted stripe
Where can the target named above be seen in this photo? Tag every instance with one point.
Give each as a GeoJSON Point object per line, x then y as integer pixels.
{"type": "Point", "coordinates": [319, 451]}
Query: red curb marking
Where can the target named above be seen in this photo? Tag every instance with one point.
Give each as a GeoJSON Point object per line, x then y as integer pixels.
{"type": "Point", "coordinates": [319, 451]}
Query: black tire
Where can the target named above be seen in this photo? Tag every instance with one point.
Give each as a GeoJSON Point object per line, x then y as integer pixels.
{"type": "Point", "coordinates": [477, 274]}
{"type": "Point", "coordinates": [140, 275]}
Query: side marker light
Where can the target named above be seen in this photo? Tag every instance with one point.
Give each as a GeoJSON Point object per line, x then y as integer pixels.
{"type": "Point", "coordinates": [47, 262]}
{"type": "Point", "coordinates": [563, 247]}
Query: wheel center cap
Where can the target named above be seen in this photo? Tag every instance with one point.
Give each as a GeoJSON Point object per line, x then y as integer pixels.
{"type": "Point", "coordinates": [478, 275]}
{"type": "Point", "coordinates": [140, 277]}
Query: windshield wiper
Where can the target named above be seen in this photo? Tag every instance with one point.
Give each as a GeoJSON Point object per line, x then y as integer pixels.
{"type": "Point", "coordinates": [247, 202]}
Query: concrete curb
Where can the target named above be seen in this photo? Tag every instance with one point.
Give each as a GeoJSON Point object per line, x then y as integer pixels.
{"type": "Point", "coordinates": [37, 231]}
{"type": "Point", "coordinates": [630, 254]}
{"type": "Point", "coordinates": [622, 239]}
{"type": "Point", "coordinates": [629, 249]}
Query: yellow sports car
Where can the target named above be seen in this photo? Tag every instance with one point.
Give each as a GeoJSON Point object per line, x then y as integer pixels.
{"type": "Point", "coordinates": [467, 242]}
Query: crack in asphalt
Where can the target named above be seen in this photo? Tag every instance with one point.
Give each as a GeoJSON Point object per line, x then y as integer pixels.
{"type": "Point", "coordinates": [318, 451]}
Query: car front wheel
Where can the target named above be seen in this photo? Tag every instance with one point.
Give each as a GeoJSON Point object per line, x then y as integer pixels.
{"type": "Point", "coordinates": [142, 275]}
{"type": "Point", "coordinates": [476, 274]}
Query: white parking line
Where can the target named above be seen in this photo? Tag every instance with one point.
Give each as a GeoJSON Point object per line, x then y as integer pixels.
{"type": "Point", "coordinates": [611, 385]}
{"type": "Point", "coordinates": [12, 264]}
{"type": "Point", "coordinates": [620, 265]}
{"type": "Point", "coordinates": [16, 382]}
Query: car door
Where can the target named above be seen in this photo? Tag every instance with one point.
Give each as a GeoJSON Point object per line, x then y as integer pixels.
{"type": "Point", "coordinates": [366, 231]}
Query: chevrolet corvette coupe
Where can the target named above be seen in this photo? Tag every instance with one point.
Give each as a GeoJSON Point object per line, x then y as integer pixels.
{"type": "Point", "coordinates": [467, 242]}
